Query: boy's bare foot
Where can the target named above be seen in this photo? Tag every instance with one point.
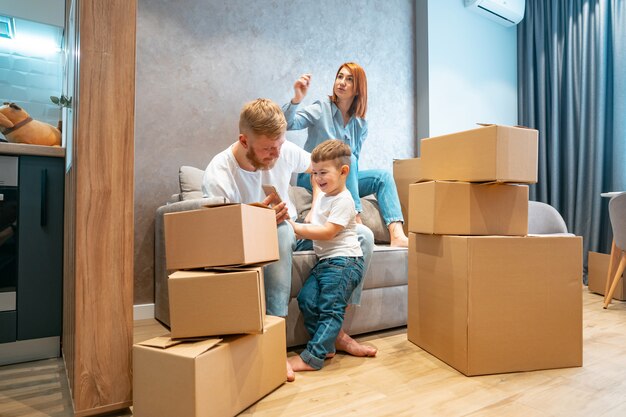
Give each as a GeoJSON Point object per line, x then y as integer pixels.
{"type": "Point", "coordinates": [297, 364]}
{"type": "Point", "coordinates": [351, 346]}
{"type": "Point", "coordinates": [291, 376]}
{"type": "Point", "coordinates": [397, 236]}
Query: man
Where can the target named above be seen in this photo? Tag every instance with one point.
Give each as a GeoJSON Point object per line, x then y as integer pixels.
{"type": "Point", "coordinates": [263, 156]}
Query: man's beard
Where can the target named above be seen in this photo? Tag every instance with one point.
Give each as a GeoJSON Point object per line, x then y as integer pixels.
{"type": "Point", "coordinates": [256, 162]}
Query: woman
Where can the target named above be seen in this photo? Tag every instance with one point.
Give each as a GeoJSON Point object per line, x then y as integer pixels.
{"type": "Point", "coordinates": [342, 116]}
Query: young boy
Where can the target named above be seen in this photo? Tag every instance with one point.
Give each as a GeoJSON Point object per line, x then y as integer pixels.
{"type": "Point", "coordinates": [325, 294]}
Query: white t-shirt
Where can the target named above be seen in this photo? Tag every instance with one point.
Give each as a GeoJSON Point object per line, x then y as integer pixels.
{"type": "Point", "coordinates": [224, 177]}
{"type": "Point", "coordinates": [338, 209]}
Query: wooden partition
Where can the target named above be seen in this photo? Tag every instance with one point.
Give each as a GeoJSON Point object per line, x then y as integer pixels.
{"type": "Point", "coordinates": [98, 275]}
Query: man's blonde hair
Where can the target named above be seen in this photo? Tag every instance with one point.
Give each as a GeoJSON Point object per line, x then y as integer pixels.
{"type": "Point", "coordinates": [332, 150]}
{"type": "Point", "coordinates": [262, 117]}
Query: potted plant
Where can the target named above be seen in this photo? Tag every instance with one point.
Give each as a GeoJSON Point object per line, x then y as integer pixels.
{"type": "Point", "coordinates": [62, 101]}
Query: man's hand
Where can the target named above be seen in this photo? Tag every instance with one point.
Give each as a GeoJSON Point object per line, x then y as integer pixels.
{"type": "Point", "coordinates": [281, 210]}
{"type": "Point", "coordinates": [300, 88]}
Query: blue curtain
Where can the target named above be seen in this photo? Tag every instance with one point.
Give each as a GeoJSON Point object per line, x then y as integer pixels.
{"type": "Point", "coordinates": [572, 88]}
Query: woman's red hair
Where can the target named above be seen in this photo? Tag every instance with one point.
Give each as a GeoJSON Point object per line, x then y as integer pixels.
{"type": "Point", "coordinates": [359, 104]}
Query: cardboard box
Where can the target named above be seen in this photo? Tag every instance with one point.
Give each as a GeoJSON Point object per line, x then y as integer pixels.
{"type": "Point", "coordinates": [231, 234]}
{"type": "Point", "coordinates": [597, 269]}
{"type": "Point", "coordinates": [490, 153]}
{"type": "Point", "coordinates": [463, 208]}
{"type": "Point", "coordinates": [405, 173]}
{"type": "Point", "coordinates": [208, 378]}
{"type": "Point", "coordinates": [216, 302]}
{"type": "Point", "coordinates": [494, 304]}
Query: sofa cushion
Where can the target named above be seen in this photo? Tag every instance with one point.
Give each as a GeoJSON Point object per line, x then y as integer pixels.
{"type": "Point", "coordinates": [190, 182]}
{"type": "Point", "coordinates": [370, 216]}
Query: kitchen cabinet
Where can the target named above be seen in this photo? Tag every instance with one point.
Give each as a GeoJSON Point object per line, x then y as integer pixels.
{"type": "Point", "coordinates": [31, 282]}
{"type": "Point", "coordinates": [40, 247]}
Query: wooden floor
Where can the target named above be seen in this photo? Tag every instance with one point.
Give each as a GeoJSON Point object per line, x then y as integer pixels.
{"type": "Point", "coordinates": [402, 381]}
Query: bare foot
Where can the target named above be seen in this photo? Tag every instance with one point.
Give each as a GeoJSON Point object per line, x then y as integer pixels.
{"type": "Point", "coordinates": [297, 364]}
{"type": "Point", "coordinates": [397, 236]}
{"type": "Point", "coordinates": [402, 242]}
{"type": "Point", "coordinates": [352, 347]}
{"type": "Point", "coordinates": [291, 376]}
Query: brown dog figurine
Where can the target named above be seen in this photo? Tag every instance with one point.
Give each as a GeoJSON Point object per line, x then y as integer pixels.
{"type": "Point", "coordinates": [18, 127]}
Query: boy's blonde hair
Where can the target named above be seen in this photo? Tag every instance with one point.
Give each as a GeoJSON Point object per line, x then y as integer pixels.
{"type": "Point", "coordinates": [332, 150]}
{"type": "Point", "coordinates": [262, 117]}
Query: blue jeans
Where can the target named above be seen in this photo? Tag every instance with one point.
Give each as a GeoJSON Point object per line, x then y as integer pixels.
{"type": "Point", "coordinates": [323, 300]}
{"type": "Point", "coordinates": [277, 275]}
{"type": "Point", "coordinates": [371, 181]}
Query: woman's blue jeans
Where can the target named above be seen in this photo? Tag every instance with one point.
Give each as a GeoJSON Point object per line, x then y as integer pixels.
{"type": "Point", "coordinates": [323, 300]}
{"type": "Point", "coordinates": [370, 181]}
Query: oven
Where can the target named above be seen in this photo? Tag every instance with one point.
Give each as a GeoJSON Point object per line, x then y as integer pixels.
{"type": "Point", "coordinates": [8, 232]}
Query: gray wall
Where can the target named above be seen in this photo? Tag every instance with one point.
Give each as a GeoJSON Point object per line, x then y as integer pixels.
{"type": "Point", "coordinates": [198, 61]}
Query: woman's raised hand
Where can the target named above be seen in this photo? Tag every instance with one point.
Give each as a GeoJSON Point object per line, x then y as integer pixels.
{"type": "Point", "coordinates": [300, 87]}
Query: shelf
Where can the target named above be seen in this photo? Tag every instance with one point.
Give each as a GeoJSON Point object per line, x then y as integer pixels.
{"type": "Point", "coordinates": [35, 150]}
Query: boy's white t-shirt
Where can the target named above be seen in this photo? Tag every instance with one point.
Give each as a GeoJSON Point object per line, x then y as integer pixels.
{"type": "Point", "coordinates": [338, 209]}
{"type": "Point", "coordinates": [224, 177]}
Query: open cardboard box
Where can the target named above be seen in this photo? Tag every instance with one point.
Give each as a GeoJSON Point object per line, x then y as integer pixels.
{"type": "Point", "coordinates": [462, 208]}
{"type": "Point", "coordinates": [220, 235]}
{"type": "Point", "coordinates": [216, 302]}
{"type": "Point", "coordinates": [494, 304]}
{"type": "Point", "coordinates": [208, 378]}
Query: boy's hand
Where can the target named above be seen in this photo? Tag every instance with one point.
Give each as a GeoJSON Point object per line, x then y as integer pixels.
{"type": "Point", "coordinates": [300, 88]}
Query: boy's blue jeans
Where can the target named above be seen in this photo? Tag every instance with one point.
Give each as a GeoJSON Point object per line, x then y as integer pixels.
{"type": "Point", "coordinates": [370, 181]}
{"type": "Point", "coordinates": [277, 275]}
{"type": "Point", "coordinates": [323, 300]}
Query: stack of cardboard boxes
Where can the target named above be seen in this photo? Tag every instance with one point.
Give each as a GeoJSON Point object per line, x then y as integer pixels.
{"type": "Point", "coordinates": [484, 296]}
{"type": "Point", "coordinates": [223, 353]}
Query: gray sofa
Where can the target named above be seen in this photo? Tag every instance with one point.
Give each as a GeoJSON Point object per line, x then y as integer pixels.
{"type": "Point", "coordinates": [384, 297]}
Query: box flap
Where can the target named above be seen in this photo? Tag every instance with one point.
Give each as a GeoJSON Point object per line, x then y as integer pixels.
{"type": "Point", "coordinates": [162, 342]}
{"type": "Point", "coordinates": [259, 205]}
{"type": "Point", "coordinates": [181, 347]}
{"type": "Point", "coordinates": [211, 205]}
{"type": "Point", "coordinates": [495, 124]}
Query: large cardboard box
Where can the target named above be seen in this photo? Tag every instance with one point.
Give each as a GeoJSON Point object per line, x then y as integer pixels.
{"type": "Point", "coordinates": [489, 153]}
{"type": "Point", "coordinates": [462, 208]}
{"type": "Point", "coordinates": [597, 268]}
{"type": "Point", "coordinates": [230, 234]}
{"type": "Point", "coordinates": [208, 378]}
{"type": "Point", "coordinates": [216, 302]}
{"type": "Point", "coordinates": [494, 304]}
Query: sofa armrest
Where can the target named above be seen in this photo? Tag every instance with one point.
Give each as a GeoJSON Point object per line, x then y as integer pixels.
{"type": "Point", "coordinates": [161, 299]}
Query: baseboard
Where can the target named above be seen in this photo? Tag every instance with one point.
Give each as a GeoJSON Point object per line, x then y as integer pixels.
{"type": "Point", "coordinates": [143, 311]}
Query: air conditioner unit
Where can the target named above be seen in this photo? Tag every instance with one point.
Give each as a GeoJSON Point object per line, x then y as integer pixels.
{"type": "Point", "coordinates": [505, 12]}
